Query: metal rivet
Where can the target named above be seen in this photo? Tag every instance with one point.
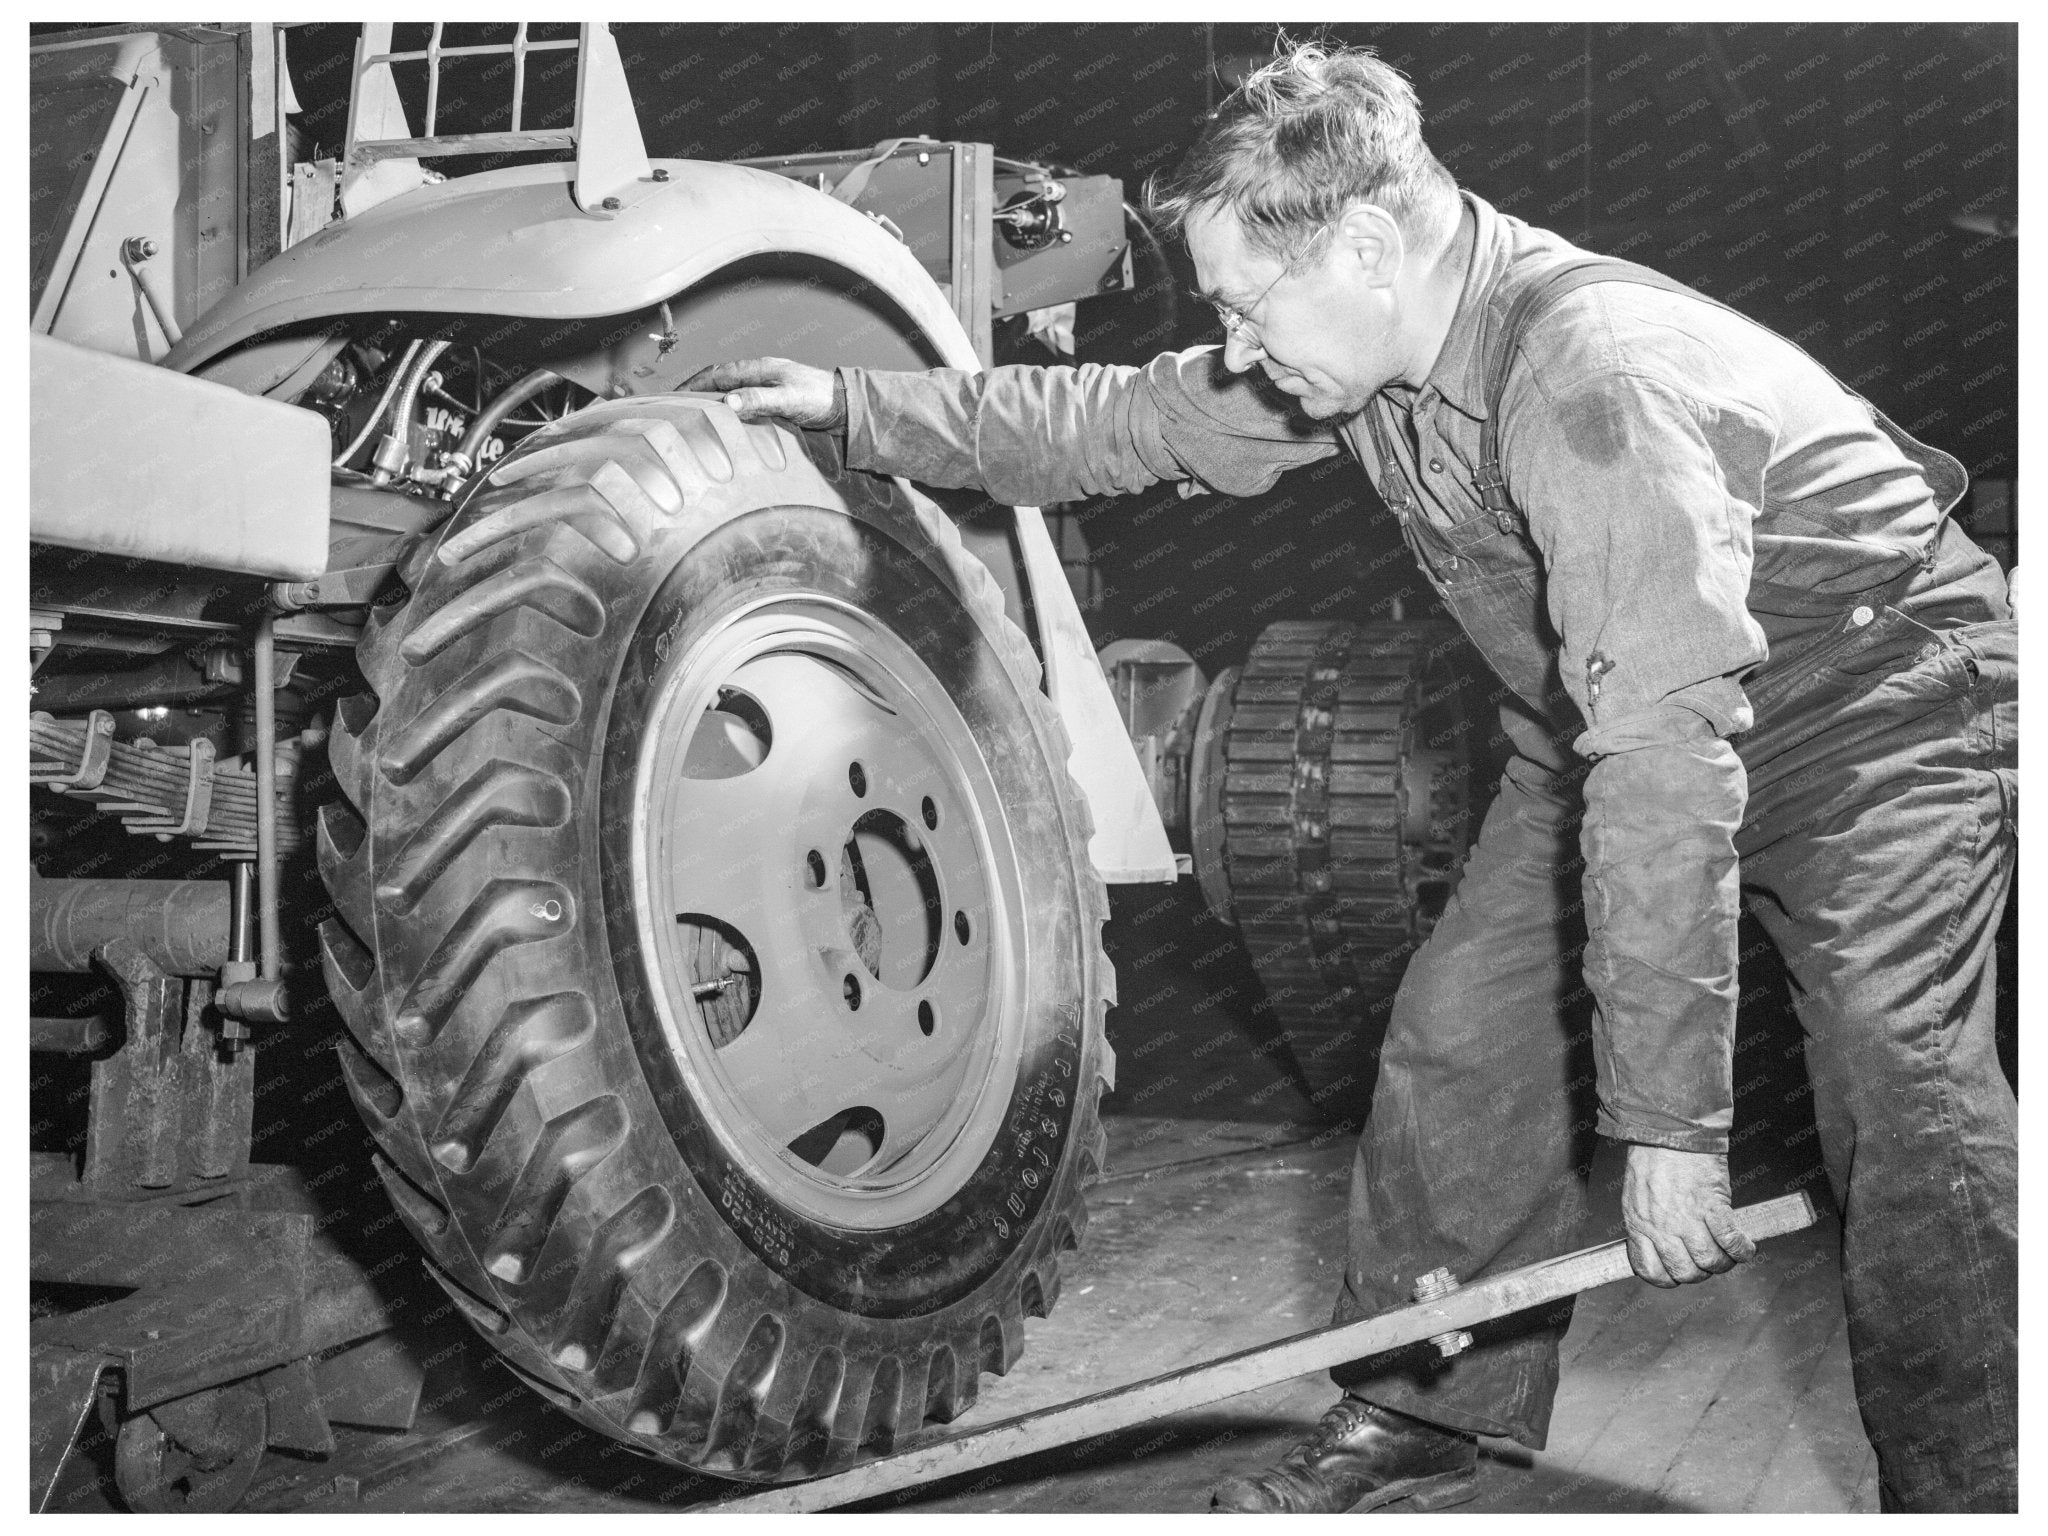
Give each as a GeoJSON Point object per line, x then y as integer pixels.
{"type": "Point", "coordinates": [611, 205]}
{"type": "Point", "coordinates": [1862, 616]}
{"type": "Point", "coordinates": [1436, 466]}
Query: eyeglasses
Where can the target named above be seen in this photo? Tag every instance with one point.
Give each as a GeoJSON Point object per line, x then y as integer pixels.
{"type": "Point", "coordinates": [1237, 322]}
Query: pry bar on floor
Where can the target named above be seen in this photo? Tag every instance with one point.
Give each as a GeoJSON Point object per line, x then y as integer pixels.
{"type": "Point", "coordinates": [1441, 1318]}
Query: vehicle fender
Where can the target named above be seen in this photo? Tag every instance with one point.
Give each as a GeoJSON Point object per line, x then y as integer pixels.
{"type": "Point", "coordinates": [512, 242]}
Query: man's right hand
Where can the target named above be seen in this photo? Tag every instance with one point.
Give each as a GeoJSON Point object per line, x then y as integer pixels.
{"type": "Point", "coordinates": [757, 388]}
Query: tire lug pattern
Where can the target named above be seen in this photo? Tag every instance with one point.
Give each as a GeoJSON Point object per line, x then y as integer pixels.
{"type": "Point", "coordinates": [542, 1387]}
{"type": "Point", "coordinates": [372, 1090]}
{"type": "Point", "coordinates": [745, 1395]}
{"type": "Point", "coordinates": [622, 1241]}
{"type": "Point", "coordinates": [1002, 1340]}
{"type": "Point", "coordinates": [503, 914]}
{"type": "Point", "coordinates": [690, 452]}
{"type": "Point", "coordinates": [810, 1433]}
{"type": "Point", "coordinates": [487, 1320]}
{"type": "Point", "coordinates": [342, 853]}
{"type": "Point", "coordinates": [522, 684]}
{"type": "Point", "coordinates": [352, 984]}
{"type": "Point", "coordinates": [499, 794]}
{"type": "Point", "coordinates": [685, 1322]}
{"type": "Point", "coordinates": [600, 511]}
{"type": "Point", "coordinates": [541, 586]}
{"type": "Point", "coordinates": [530, 1033]}
{"type": "Point", "coordinates": [881, 1423]}
{"type": "Point", "coordinates": [942, 1395]}
{"type": "Point", "coordinates": [377, 1094]}
{"type": "Point", "coordinates": [349, 756]}
{"type": "Point", "coordinates": [420, 1210]}
{"type": "Point", "coordinates": [1031, 1296]}
{"type": "Point", "coordinates": [570, 1146]}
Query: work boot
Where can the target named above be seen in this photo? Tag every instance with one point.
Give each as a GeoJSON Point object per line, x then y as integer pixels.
{"type": "Point", "coordinates": [1360, 1457]}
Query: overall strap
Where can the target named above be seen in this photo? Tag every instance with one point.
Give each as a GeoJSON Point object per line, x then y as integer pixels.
{"type": "Point", "coordinates": [1551, 286]}
{"type": "Point", "coordinates": [1535, 298]}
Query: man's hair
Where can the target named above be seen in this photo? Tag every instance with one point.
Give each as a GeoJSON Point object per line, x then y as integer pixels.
{"type": "Point", "coordinates": [1306, 136]}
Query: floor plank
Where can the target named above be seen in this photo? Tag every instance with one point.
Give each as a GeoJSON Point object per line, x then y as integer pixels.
{"type": "Point", "coordinates": [1725, 1464]}
{"type": "Point", "coordinates": [1824, 1463]}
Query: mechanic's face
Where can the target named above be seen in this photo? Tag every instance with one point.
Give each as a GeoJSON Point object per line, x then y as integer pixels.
{"type": "Point", "coordinates": [1324, 329]}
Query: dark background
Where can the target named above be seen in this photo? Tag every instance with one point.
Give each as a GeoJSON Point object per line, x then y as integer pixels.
{"type": "Point", "coordinates": [1809, 175]}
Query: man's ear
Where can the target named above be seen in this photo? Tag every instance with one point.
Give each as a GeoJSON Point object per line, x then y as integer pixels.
{"type": "Point", "coordinates": [1370, 236]}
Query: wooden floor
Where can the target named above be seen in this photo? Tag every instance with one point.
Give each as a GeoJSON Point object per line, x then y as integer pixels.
{"type": "Point", "coordinates": [1209, 1237]}
{"type": "Point", "coordinates": [1728, 1396]}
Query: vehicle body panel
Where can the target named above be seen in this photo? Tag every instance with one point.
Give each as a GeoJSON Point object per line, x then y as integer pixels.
{"type": "Point", "coordinates": [202, 475]}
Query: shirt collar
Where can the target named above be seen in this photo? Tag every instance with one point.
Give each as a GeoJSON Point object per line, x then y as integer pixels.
{"type": "Point", "coordinates": [1455, 376]}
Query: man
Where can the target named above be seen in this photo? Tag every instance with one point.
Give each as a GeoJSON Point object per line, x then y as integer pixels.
{"type": "Point", "coordinates": [1741, 643]}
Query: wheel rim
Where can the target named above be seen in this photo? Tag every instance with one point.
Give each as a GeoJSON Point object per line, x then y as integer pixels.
{"type": "Point", "coordinates": [826, 894]}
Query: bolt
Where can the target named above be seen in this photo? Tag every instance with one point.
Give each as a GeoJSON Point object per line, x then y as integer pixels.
{"type": "Point", "coordinates": [660, 173]}
{"type": "Point", "coordinates": [138, 248]}
{"type": "Point", "coordinates": [611, 205]}
{"type": "Point", "coordinates": [1433, 1286]}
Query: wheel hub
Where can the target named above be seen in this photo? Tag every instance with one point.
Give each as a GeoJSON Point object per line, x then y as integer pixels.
{"type": "Point", "coordinates": [827, 881]}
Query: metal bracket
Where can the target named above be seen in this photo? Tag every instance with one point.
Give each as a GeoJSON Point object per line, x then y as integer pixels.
{"type": "Point", "coordinates": [95, 752]}
{"type": "Point", "coordinates": [1434, 1286]}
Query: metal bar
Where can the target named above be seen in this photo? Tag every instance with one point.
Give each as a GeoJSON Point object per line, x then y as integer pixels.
{"type": "Point", "coordinates": [355, 97]}
{"type": "Point", "coordinates": [1266, 1365]}
{"type": "Point", "coordinates": [69, 1037]}
{"type": "Point", "coordinates": [266, 795]}
{"type": "Point", "coordinates": [519, 52]}
{"type": "Point", "coordinates": [433, 77]}
{"type": "Point", "coordinates": [472, 49]}
{"type": "Point", "coordinates": [463, 143]}
{"type": "Point", "coordinates": [241, 911]}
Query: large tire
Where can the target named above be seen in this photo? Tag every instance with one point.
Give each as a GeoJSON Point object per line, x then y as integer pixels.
{"type": "Point", "coordinates": [661, 673]}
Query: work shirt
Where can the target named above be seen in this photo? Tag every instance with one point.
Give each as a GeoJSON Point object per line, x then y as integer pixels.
{"type": "Point", "coordinates": [1700, 507]}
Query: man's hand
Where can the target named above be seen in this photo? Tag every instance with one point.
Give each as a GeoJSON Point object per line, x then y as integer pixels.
{"type": "Point", "coordinates": [760, 387]}
{"type": "Point", "coordinates": [1681, 1227]}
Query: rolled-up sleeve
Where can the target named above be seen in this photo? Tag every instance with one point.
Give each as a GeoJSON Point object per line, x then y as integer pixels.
{"type": "Point", "coordinates": [1641, 500]}
{"type": "Point", "coordinates": [1028, 436]}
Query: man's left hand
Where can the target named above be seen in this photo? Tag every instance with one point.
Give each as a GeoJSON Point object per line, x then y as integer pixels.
{"type": "Point", "coordinates": [1681, 1226]}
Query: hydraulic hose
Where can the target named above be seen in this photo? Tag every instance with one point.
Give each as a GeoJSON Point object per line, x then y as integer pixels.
{"type": "Point", "coordinates": [392, 453]}
{"type": "Point", "coordinates": [492, 416]}
{"type": "Point", "coordinates": [397, 377]}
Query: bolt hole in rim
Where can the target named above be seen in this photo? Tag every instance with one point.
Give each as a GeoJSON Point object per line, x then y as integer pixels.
{"type": "Point", "coordinates": [840, 1094]}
